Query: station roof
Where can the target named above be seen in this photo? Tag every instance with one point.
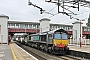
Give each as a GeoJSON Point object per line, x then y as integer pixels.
{"type": "Point", "coordinates": [2, 15]}
{"type": "Point", "coordinates": [54, 24]}
{"type": "Point", "coordinates": [21, 22]}
{"type": "Point", "coordinates": [45, 19]}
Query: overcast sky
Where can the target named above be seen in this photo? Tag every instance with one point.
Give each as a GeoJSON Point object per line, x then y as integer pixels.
{"type": "Point", "coordinates": [19, 10]}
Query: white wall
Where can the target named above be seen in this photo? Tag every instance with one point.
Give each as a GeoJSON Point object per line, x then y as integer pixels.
{"type": "Point", "coordinates": [76, 32]}
{"type": "Point", "coordinates": [4, 29]}
{"type": "Point", "coordinates": [44, 25]}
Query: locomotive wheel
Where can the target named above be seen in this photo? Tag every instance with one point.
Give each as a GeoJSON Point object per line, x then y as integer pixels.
{"type": "Point", "coordinates": [63, 53]}
{"type": "Point", "coordinates": [38, 47]}
{"type": "Point", "coordinates": [52, 52]}
{"type": "Point", "coordinates": [46, 49]}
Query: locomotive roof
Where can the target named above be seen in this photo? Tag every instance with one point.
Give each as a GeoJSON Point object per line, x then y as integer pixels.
{"type": "Point", "coordinates": [58, 30]}
{"type": "Point", "coordinates": [39, 34]}
{"type": "Point", "coordinates": [50, 32]}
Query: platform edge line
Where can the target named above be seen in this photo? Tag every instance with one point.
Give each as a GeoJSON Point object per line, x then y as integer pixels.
{"type": "Point", "coordinates": [14, 56]}
{"type": "Point", "coordinates": [27, 52]}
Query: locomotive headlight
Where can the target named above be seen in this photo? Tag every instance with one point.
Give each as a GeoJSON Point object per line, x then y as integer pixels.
{"type": "Point", "coordinates": [66, 45]}
{"type": "Point", "coordinates": [56, 44]}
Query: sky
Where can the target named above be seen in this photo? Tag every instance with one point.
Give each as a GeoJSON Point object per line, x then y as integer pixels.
{"type": "Point", "coordinates": [19, 10]}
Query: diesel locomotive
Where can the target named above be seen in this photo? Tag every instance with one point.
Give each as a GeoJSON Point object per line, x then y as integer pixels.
{"type": "Point", "coordinates": [54, 42]}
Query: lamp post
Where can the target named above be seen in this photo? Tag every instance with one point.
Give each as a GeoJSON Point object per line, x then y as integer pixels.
{"type": "Point", "coordinates": [80, 35]}
{"type": "Point", "coordinates": [80, 32]}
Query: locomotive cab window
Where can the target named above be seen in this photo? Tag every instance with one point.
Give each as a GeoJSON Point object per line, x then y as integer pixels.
{"type": "Point", "coordinates": [57, 36]}
{"type": "Point", "coordinates": [50, 36]}
{"type": "Point", "coordinates": [64, 36]}
{"type": "Point", "coordinates": [60, 36]}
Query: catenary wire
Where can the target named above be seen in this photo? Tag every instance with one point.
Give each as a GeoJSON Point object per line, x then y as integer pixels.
{"type": "Point", "coordinates": [74, 21]}
{"type": "Point", "coordinates": [49, 11]}
{"type": "Point", "coordinates": [82, 12]}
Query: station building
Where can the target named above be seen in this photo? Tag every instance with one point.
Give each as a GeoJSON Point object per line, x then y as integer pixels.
{"type": "Point", "coordinates": [36, 25]}
{"type": "Point", "coordinates": [3, 29]}
{"type": "Point", "coordinates": [12, 27]}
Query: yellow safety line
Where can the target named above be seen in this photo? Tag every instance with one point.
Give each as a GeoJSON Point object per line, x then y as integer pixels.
{"type": "Point", "coordinates": [14, 56]}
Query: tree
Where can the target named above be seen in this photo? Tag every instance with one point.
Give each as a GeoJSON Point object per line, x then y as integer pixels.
{"type": "Point", "coordinates": [88, 24]}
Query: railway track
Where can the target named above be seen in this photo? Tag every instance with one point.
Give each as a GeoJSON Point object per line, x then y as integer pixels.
{"type": "Point", "coordinates": [68, 57]}
{"type": "Point", "coordinates": [40, 55]}
{"type": "Point", "coordinates": [29, 51]}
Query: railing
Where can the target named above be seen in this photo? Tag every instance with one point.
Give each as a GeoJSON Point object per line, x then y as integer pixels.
{"type": "Point", "coordinates": [84, 42]}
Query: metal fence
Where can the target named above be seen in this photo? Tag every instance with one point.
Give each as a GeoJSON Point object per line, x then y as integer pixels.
{"type": "Point", "coordinates": [86, 41]}
{"type": "Point", "coordinates": [83, 41]}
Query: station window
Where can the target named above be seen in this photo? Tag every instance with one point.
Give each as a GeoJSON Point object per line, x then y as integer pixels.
{"type": "Point", "coordinates": [11, 25]}
{"type": "Point", "coordinates": [85, 29]}
{"type": "Point", "coordinates": [54, 27]}
{"type": "Point", "coordinates": [26, 25]}
{"type": "Point", "coordinates": [69, 28]}
{"type": "Point", "coordinates": [57, 27]}
{"type": "Point", "coordinates": [65, 28]}
{"type": "Point", "coordinates": [88, 29]}
{"type": "Point", "coordinates": [30, 25]}
{"type": "Point", "coordinates": [61, 27]}
{"type": "Point", "coordinates": [8, 25]}
{"type": "Point", "coordinates": [17, 25]}
{"type": "Point", "coordinates": [21, 25]}
{"type": "Point", "coordinates": [34, 26]}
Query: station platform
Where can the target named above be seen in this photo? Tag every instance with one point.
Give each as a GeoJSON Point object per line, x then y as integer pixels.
{"type": "Point", "coordinates": [20, 54]}
{"type": "Point", "coordinates": [83, 48]}
{"type": "Point", "coordinates": [5, 52]}
{"type": "Point", "coordinates": [14, 52]}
